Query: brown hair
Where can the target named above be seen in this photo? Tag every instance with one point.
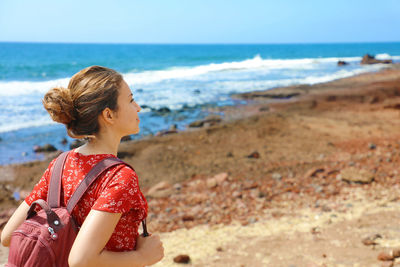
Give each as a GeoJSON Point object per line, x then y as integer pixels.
{"type": "Point", "coordinates": [89, 92]}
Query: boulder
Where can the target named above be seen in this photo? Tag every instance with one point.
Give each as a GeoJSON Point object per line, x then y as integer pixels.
{"type": "Point", "coordinates": [342, 63]}
{"type": "Point", "coordinates": [368, 59]}
{"type": "Point", "coordinates": [44, 148]}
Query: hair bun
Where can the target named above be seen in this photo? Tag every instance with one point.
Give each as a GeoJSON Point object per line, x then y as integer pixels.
{"type": "Point", "coordinates": [58, 103]}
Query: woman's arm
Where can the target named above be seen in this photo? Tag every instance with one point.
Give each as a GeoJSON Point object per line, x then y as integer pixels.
{"type": "Point", "coordinates": [13, 223]}
{"type": "Point", "coordinates": [88, 249]}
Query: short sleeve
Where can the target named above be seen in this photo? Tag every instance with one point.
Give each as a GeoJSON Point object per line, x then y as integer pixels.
{"type": "Point", "coordinates": [122, 193]}
{"type": "Point", "coordinates": [42, 187]}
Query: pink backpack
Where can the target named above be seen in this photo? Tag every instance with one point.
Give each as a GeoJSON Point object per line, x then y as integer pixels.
{"type": "Point", "coordinates": [46, 237]}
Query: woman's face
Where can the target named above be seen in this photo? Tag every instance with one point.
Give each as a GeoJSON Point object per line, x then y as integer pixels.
{"type": "Point", "coordinates": [127, 121]}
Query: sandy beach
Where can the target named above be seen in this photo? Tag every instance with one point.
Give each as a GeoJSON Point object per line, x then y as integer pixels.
{"type": "Point", "coordinates": [299, 176]}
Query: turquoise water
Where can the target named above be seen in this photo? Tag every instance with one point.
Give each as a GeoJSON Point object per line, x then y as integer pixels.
{"type": "Point", "coordinates": [184, 78]}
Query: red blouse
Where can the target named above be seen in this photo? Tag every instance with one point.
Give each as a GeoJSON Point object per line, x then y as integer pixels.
{"type": "Point", "coordinates": [115, 191]}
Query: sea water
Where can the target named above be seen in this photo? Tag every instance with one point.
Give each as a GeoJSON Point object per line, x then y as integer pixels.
{"type": "Point", "coordinates": [182, 78]}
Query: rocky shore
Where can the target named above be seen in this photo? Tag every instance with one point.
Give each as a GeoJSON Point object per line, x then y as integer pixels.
{"type": "Point", "coordinates": [298, 176]}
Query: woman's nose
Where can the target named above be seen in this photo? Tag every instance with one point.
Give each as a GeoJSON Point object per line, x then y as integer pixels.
{"type": "Point", "coordinates": [138, 108]}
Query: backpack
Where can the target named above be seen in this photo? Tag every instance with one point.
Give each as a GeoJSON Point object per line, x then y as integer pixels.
{"type": "Point", "coordinates": [45, 238]}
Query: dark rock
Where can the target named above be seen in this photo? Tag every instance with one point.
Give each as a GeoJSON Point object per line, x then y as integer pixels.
{"type": "Point", "coordinates": [368, 59]}
{"type": "Point", "coordinates": [45, 148]}
{"type": "Point", "coordinates": [197, 91]}
{"type": "Point", "coordinates": [182, 259]}
{"type": "Point", "coordinates": [126, 138]}
{"type": "Point", "coordinates": [229, 155]}
{"type": "Point", "coordinates": [254, 155]}
{"type": "Point", "coordinates": [265, 108]}
{"type": "Point", "coordinates": [163, 110]}
{"type": "Point", "coordinates": [342, 63]}
{"type": "Point", "coordinates": [76, 143]}
{"type": "Point", "coordinates": [371, 146]}
{"type": "Point", "coordinates": [186, 218]}
{"type": "Point", "coordinates": [64, 141]}
{"type": "Point", "coordinates": [147, 107]}
{"type": "Point", "coordinates": [371, 240]}
{"type": "Point", "coordinates": [140, 90]}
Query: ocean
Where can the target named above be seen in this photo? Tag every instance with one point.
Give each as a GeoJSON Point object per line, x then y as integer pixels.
{"type": "Point", "coordinates": [184, 78]}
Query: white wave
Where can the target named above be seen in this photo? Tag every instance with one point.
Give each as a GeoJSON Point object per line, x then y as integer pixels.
{"type": "Point", "coordinates": [15, 88]}
{"type": "Point", "coordinates": [25, 124]}
{"type": "Point", "coordinates": [255, 63]}
{"type": "Point", "coordinates": [383, 56]}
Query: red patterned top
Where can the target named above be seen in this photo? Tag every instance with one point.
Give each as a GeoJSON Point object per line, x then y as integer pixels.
{"type": "Point", "coordinates": [116, 191]}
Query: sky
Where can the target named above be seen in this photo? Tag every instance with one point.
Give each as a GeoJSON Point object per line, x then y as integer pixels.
{"type": "Point", "coordinates": [199, 21]}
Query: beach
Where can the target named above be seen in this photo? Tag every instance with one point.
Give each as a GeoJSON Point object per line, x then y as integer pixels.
{"type": "Point", "coordinates": [293, 176]}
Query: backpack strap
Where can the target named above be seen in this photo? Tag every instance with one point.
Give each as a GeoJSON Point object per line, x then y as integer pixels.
{"type": "Point", "coordinates": [95, 172]}
{"type": "Point", "coordinates": [54, 195]}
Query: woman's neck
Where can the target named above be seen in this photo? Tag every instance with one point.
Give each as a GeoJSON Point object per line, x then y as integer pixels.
{"type": "Point", "coordinates": [104, 144]}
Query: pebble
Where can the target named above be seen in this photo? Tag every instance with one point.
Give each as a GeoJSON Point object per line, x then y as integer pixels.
{"type": "Point", "coordinates": [182, 259]}
{"type": "Point", "coordinates": [254, 155]}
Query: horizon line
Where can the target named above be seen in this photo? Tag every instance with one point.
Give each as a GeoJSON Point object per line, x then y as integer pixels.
{"type": "Point", "coordinates": [155, 43]}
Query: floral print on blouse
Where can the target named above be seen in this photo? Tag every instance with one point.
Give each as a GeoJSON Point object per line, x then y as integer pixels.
{"type": "Point", "coordinates": [116, 191]}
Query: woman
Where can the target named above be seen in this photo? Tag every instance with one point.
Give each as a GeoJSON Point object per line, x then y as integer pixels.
{"type": "Point", "coordinates": [98, 105]}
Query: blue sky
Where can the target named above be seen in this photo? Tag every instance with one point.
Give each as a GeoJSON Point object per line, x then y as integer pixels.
{"type": "Point", "coordinates": [200, 21]}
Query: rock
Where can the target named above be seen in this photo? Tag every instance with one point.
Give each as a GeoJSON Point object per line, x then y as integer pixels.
{"type": "Point", "coordinates": [182, 259]}
{"type": "Point", "coordinates": [45, 148]}
{"type": "Point", "coordinates": [371, 240]}
{"type": "Point", "coordinates": [221, 177]}
{"type": "Point", "coordinates": [368, 59]}
{"type": "Point", "coordinates": [313, 172]}
{"type": "Point", "coordinates": [254, 155]}
{"type": "Point", "coordinates": [126, 138]}
{"type": "Point", "coordinates": [371, 146]}
{"type": "Point", "coordinates": [76, 143]}
{"type": "Point", "coordinates": [384, 256]}
{"type": "Point", "coordinates": [160, 190]}
{"type": "Point", "coordinates": [196, 91]}
{"type": "Point", "coordinates": [163, 110]}
{"type": "Point", "coordinates": [196, 124]}
{"type": "Point", "coordinates": [64, 141]}
{"type": "Point", "coordinates": [342, 63]}
{"type": "Point", "coordinates": [211, 182]}
{"type": "Point", "coordinates": [187, 217]}
{"type": "Point", "coordinates": [210, 121]}
{"type": "Point", "coordinates": [229, 155]}
{"type": "Point", "coordinates": [265, 108]}
{"type": "Point", "coordinates": [276, 176]}
{"type": "Point", "coordinates": [220, 249]}
{"type": "Point", "coordinates": [354, 175]}
{"type": "Point", "coordinates": [396, 252]}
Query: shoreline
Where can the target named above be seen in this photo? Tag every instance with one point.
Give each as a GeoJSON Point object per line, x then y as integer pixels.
{"type": "Point", "coordinates": [311, 152]}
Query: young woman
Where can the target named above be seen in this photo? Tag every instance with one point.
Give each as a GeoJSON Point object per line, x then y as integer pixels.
{"type": "Point", "coordinates": [98, 105]}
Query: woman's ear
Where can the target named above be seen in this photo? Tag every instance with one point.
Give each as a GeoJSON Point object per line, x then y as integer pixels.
{"type": "Point", "coordinates": [108, 116]}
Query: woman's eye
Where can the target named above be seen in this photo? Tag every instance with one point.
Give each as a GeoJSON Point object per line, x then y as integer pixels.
{"type": "Point", "coordinates": [132, 100]}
